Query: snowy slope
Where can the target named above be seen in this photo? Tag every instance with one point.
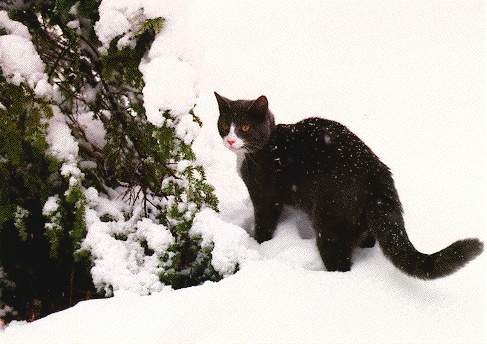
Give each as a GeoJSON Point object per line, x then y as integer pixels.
{"type": "Point", "coordinates": [269, 302]}
{"type": "Point", "coordinates": [409, 79]}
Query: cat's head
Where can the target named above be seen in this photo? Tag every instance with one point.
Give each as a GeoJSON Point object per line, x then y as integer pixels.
{"type": "Point", "coordinates": [244, 125]}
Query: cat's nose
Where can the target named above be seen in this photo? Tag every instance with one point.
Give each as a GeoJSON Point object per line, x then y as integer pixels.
{"type": "Point", "coordinates": [231, 142]}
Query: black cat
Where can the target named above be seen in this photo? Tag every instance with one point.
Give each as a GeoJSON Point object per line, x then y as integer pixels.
{"type": "Point", "coordinates": [319, 166]}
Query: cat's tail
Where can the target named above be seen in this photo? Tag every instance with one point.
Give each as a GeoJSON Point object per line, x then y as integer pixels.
{"type": "Point", "coordinates": [385, 220]}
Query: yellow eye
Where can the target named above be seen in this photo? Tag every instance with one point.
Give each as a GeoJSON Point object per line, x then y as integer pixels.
{"type": "Point", "coordinates": [225, 126]}
{"type": "Point", "coordinates": [245, 128]}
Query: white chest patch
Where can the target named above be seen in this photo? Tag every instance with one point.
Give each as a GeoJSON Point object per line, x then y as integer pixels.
{"type": "Point", "coordinates": [236, 145]}
{"type": "Point", "coordinates": [240, 160]}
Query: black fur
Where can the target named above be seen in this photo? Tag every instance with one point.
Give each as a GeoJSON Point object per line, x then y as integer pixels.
{"type": "Point", "coordinates": [319, 166]}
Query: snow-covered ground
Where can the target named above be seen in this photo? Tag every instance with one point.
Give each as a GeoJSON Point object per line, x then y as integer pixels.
{"type": "Point", "coordinates": [408, 78]}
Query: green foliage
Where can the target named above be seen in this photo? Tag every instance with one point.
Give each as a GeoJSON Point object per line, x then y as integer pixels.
{"type": "Point", "coordinates": [24, 168]}
{"type": "Point", "coordinates": [20, 215]}
{"type": "Point", "coordinates": [29, 176]}
{"type": "Point", "coordinates": [66, 221]}
{"type": "Point", "coordinates": [122, 65]}
{"type": "Point", "coordinates": [84, 8]}
{"type": "Point", "coordinates": [195, 259]}
{"type": "Point", "coordinates": [42, 207]}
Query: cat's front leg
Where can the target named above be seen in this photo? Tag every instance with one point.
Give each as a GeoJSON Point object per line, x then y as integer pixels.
{"type": "Point", "coordinates": [336, 256]}
{"type": "Point", "coordinates": [266, 217]}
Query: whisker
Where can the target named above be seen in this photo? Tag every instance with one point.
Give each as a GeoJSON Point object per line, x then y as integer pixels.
{"type": "Point", "coordinates": [256, 147]}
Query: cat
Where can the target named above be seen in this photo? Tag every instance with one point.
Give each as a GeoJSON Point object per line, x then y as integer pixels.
{"type": "Point", "coordinates": [319, 166]}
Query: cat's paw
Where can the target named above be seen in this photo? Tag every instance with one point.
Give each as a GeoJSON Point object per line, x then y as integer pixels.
{"type": "Point", "coordinates": [261, 236]}
{"type": "Point", "coordinates": [342, 264]}
{"type": "Point", "coordinates": [340, 268]}
{"type": "Point", "coordinates": [368, 242]}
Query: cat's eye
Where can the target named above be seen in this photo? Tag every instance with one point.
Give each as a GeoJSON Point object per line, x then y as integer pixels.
{"type": "Point", "coordinates": [225, 126]}
{"type": "Point", "coordinates": [245, 128]}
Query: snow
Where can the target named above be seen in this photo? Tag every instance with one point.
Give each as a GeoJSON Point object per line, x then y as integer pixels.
{"type": "Point", "coordinates": [122, 264]}
{"type": "Point", "coordinates": [93, 128]}
{"type": "Point", "coordinates": [409, 79]}
{"type": "Point", "coordinates": [115, 20]}
{"type": "Point", "coordinates": [51, 205]}
{"type": "Point", "coordinates": [63, 146]}
{"type": "Point", "coordinates": [119, 18]}
{"type": "Point", "coordinates": [271, 302]}
{"type": "Point", "coordinates": [233, 245]}
{"type": "Point", "coordinates": [172, 61]}
{"type": "Point", "coordinates": [169, 85]}
{"type": "Point", "coordinates": [13, 27]}
{"type": "Point", "coordinates": [22, 64]}
{"type": "Point", "coordinates": [169, 75]}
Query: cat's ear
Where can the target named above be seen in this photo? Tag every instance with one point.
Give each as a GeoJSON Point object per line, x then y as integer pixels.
{"type": "Point", "coordinates": [259, 108]}
{"type": "Point", "coordinates": [260, 105]}
{"type": "Point", "coordinates": [223, 103]}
